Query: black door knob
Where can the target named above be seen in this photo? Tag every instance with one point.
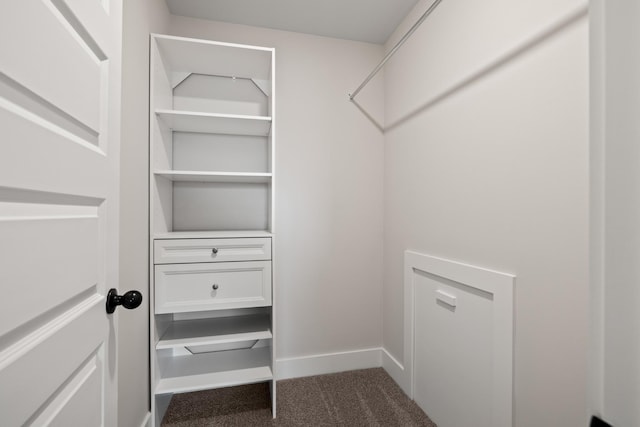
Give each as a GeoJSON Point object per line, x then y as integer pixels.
{"type": "Point", "coordinates": [129, 300]}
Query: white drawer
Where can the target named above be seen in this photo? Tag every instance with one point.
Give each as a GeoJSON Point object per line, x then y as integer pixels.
{"type": "Point", "coordinates": [171, 251]}
{"type": "Point", "coordinates": [212, 286]}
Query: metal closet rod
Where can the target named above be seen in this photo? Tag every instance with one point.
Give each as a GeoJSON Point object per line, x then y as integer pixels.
{"type": "Point", "coordinates": [395, 48]}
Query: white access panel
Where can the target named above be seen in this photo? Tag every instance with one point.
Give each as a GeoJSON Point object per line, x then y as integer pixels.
{"type": "Point", "coordinates": [453, 348]}
{"type": "Point", "coordinates": [459, 341]}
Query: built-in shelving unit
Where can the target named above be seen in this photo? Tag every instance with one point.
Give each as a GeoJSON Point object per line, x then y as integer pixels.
{"type": "Point", "coordinates": [212, 188]}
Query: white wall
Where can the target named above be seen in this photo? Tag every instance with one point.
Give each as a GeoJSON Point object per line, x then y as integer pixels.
{"type": "Point", "coordinates": [328, 253]}
{"type": "Point", "coordinates": [486, 162]}
{"type": "Point", "coordinates": [486, 165]}
{"type": "Point", "coordinates": [140, 18]}
{"type": "Point", "coordinates": [615, 387]}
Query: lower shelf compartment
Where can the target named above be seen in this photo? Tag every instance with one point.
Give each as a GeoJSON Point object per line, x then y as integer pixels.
{"type": "Point", "coordinates": [199, 332]}
{"type": "Point", "coordinates": [182, 374]}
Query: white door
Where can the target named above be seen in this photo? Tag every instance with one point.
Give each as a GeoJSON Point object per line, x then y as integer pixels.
{"type": "Point", "coordinates": [59, 130]}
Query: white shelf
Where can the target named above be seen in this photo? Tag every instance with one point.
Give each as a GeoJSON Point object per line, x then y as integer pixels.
{"type": "Point", "coordinates": [222, 330]}
{"type": "Point", "coordinates": [196, 372]}
{"type": "Point", "coordinates": [225, 234]}
{"type": "Point", "coordinates": [214, 58]}
{"type": "Point", "coordinates": [199, 176]}
{"type": "Point", "coordinates": [230, 124]}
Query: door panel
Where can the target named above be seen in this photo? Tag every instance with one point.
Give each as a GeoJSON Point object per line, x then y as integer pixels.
{"type": "Point", "coordinates": [79, 403]}
{"type": "Point", "coordinates": [35, 148]}
{"type": "Point", "coordinates": [43, 52]}
{"type": "Point", "coordinates": [90, 17]}
{"type": "Point", "coordinates": [38, 365]}
{"type": "Point", "coordinates": [59, 112]}
{"type": "Point", "coordinates": [47, 261]}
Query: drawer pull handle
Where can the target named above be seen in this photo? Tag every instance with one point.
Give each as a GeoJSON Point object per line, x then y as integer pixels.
{"type": "Point", "coordinates": [215, 286]}
{"type": "Point", "coordinates": [214, 251]}
{"type": "Point", "coordinates": [446, 298]}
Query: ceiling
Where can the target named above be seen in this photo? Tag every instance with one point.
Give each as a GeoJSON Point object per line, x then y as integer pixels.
{"type": "Point", "coordinates": [370, 21]}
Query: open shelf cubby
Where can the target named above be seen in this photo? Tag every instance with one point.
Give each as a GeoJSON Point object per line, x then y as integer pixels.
{"type": "Point", "coordinates": [225, 330]}
{"type": "Point", "coordinates": [182, 374]}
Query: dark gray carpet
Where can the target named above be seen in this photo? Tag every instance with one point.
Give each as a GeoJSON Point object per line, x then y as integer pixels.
{"type": "Point", "coordinates": [367, 397]}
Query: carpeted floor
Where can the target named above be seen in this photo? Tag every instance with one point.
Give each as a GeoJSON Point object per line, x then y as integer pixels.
{"type": "Point", "coordinates": [366, 397]}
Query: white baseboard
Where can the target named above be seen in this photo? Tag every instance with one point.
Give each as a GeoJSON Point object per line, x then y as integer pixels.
{"type": "Point", "coordinates": [329, 363]}
{"type": "Point", "coordinates": [396, 371]}
{"type": "Point", "coordinates": [147, 420]}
